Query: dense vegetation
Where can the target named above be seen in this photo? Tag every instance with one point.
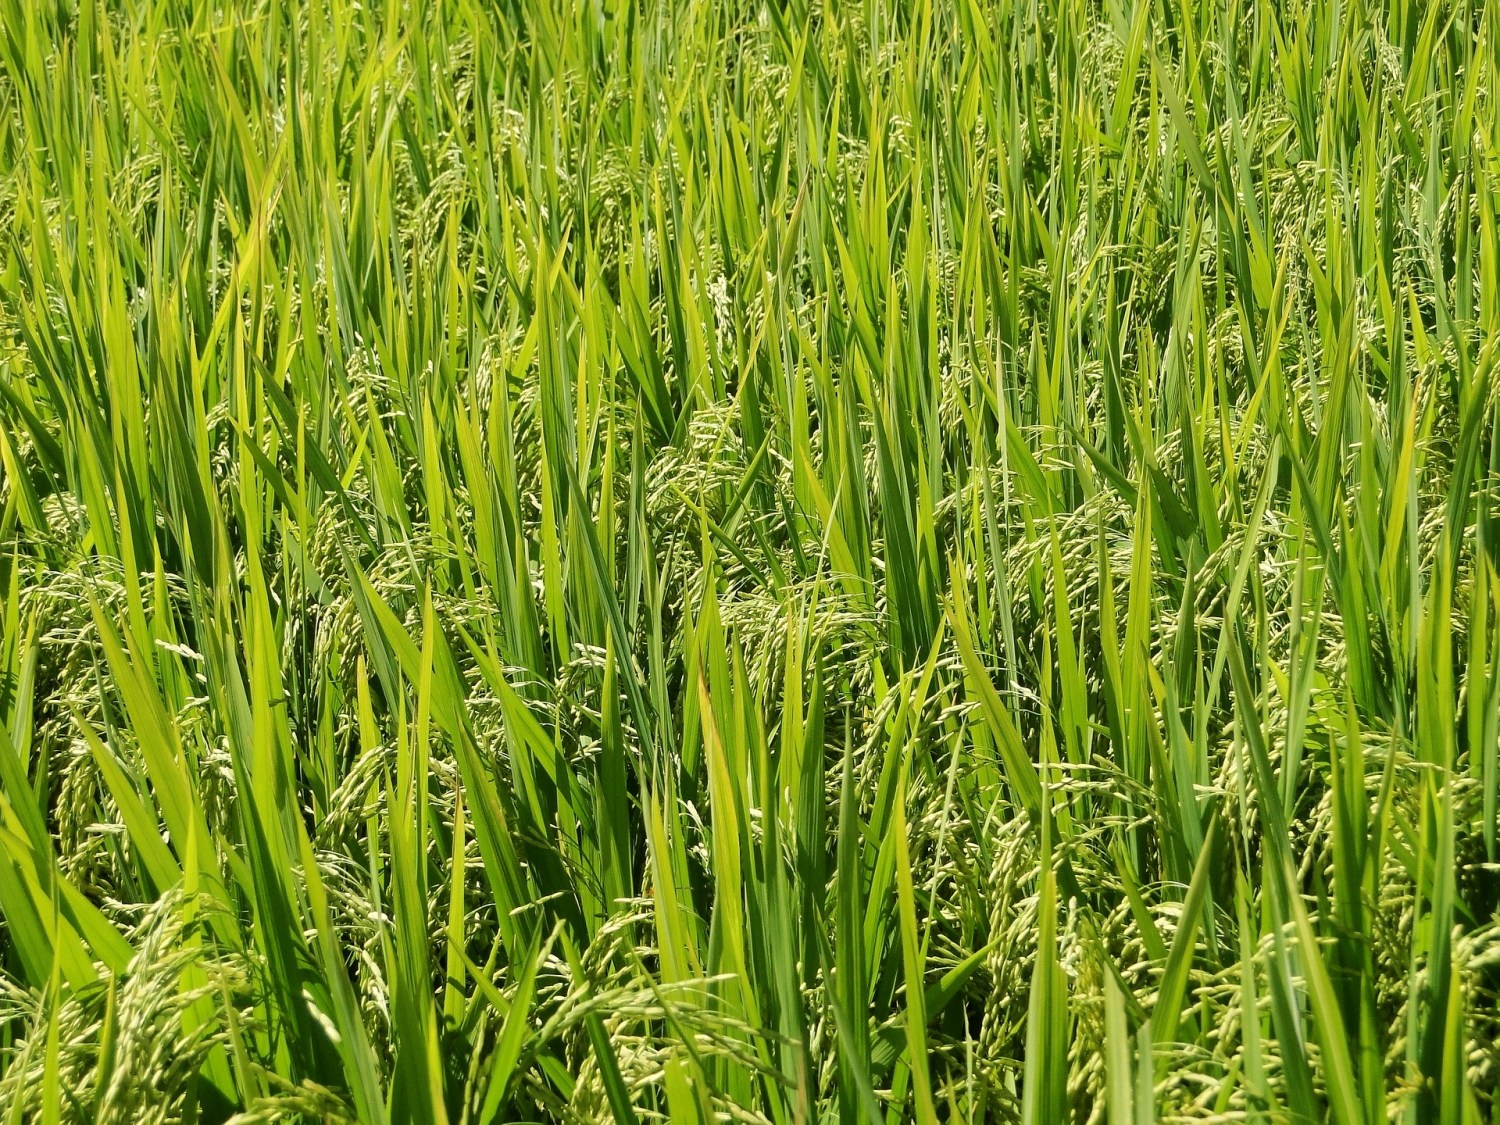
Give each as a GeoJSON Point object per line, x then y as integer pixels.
{"type": "Point", "coordinates": [755, 560]}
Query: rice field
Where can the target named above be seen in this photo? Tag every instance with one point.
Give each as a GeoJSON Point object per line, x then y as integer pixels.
{"type": "Point", "coordinates": [840, 561]}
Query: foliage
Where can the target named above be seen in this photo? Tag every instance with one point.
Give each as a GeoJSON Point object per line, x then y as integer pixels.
{"type": "Point", "coordinates": [791, 560]}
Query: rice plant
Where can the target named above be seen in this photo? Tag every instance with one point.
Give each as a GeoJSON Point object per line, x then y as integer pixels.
{"type": "Point", "coordinates": [779, 561]}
